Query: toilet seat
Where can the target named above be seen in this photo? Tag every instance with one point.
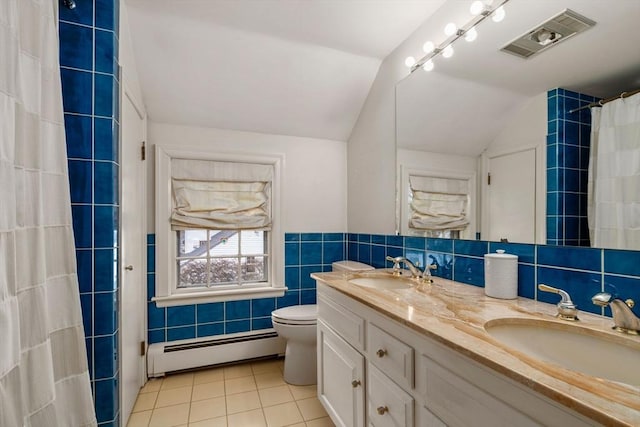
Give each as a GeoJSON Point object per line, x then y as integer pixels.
{"type": "Point", "coordinates": [296, 315]}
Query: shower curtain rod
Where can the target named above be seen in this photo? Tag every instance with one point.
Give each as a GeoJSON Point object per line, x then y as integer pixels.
{"type": "Point", "coordinates": [604, 101]}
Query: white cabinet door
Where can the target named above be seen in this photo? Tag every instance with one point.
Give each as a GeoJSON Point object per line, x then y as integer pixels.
{"type": "Point", "coordinates": [340, 379]}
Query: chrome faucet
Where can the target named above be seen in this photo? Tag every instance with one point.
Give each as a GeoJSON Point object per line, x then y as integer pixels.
{"type": "Point", "coordinates": [415, 271]}
{"type": "Point", "coordinates": [567, 310]}
{"type": "Point", "coordinates": [623, 318]}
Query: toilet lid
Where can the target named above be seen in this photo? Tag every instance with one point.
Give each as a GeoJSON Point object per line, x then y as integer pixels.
{"type": "Point", "coordinates": [300, 313]}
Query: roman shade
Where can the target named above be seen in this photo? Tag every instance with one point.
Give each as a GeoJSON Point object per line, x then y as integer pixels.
{"type": "Point", "coordinates": [220, 195]}
{"type": "Point", "coordinates": [438, 203]}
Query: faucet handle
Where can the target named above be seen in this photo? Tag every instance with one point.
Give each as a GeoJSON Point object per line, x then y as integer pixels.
{"type": "Point", "coordinates": [396, 264]}
{"type": "Point", "coordinates": [567, 310]}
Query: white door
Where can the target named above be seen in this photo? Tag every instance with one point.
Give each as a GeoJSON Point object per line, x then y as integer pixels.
{"type": "Point", "coordinates": [132, 257]}
{"type": "Point", "coordinates": [512, 197]}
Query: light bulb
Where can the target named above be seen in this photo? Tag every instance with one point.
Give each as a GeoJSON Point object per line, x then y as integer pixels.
{"type": "Point", "coordinates": [471, 35]}
{"type": "Point", "coordinates": [450, 29]}
{"type": "Point", "coordinates": [428, 66]}
{"type": "Point", "coordinates": [428, 47]}
{"type": "Point", "coordinates": [410, 61]}
{"type": "Point", "coordinates": [448, 52]}
{"type": "Point", "coordinates": [476, 8]}
{"type": "Point", "coordinates": [498, 14]}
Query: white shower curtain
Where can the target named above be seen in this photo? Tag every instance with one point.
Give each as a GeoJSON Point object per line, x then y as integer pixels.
{"type": "Point", "coordinates": [614, 175]}
{"type": "Point", "coordinates": [43, 366]}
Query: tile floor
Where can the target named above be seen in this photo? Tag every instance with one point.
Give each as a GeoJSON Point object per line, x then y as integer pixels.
{"type": "Point", "coordinates": [243, 395]}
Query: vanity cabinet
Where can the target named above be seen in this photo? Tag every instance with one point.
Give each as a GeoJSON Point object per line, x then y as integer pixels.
{"type": "Point", "coordinates": [375, 371]}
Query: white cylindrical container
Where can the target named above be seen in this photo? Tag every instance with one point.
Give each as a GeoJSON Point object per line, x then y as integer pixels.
{"type": "Point", "coordinates": [501, 275]}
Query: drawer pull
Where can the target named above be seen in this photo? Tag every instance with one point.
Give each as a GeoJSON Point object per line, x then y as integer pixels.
{"type": "Point", "coordinates": [382, 410]}
{"type": "Point", "coordinates": [381, 353]}
{"type": "Point", "coordinates": [355, 383]}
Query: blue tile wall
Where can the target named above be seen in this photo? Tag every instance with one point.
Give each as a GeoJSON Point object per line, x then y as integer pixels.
{"type": "Point", "coordinates": [578, 270]}
{"type": "Point", "coordinates": [90, 91]}
{"type": "Point", "coordinates": [568, 141]}
{"type": "Point", "coordinates": [305, 253]}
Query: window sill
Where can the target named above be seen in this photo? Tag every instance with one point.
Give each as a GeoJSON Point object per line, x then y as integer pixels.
{"type": "Point", "coordinates": [217, 296]}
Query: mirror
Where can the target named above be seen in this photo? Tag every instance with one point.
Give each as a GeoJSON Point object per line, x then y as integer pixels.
{"type": "Point", "coordinates": [485, 112]}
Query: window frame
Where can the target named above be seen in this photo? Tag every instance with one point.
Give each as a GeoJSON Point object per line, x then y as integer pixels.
{"type": "Point", "coordinates": [167, 293]}
{"type": "Point", "coordinates": [404, 211]}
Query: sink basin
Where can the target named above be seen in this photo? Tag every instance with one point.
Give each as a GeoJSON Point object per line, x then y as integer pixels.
{"type": "Point", "coordinates": [381, 282]}
{"type": "Point", "coordinates": [573, 347]}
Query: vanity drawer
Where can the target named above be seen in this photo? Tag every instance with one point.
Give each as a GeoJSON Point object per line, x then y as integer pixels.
{"type": "Point", "coordinates": [391, 355]}
{"type": "Point", "coordinates": [347, 324]}
{"type": "Point", "coordinates": [388, 405]}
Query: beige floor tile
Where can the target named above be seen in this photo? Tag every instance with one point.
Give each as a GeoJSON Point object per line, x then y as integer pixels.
{"type": "Point", "coordinates": [275, 395]}
{"type": "Point", "coordinates": [170, 416]}
{"type": "Point", "coordinates": [269, 379]}
{"type": "Point", "coordinates": [237, 371]}
{"type": "Point", "coordinates": [173, 396]}
{"type": "Point", "coordinates": [298, 425]}
{"type": "Point", "coordinates": [177, 380]}
{"type": "Point", "coordinates": [253, 418]}
{"type": "Point", "coordinates": [303, 391]}
{"type": "Point", "coordinates": [264, 366]}
{"type": "Point", "coordinates": [241, 402]}
{"type": "Point", "coordinates": [321, 422]}
{"type": "Point", "coordinates": [139, 419]}
{"type": "Point", "coordinates": [311, 408]}
{"type": "Point", "coordinates": [153, 384]}
{"type": "Point", "coordinates": [145, 401]}
{"type": "Point", "coordinates": [211, 422]}
{"type": "Point", "coordinates": [209, 408]}
{"type": "Point", "coordinates": [239, 385]}
{"type": "Point", "coordinates": [282, 415]}
{"type": "Point", "coordinates": [208, 390]}
{"type": "Point", "coordinates": [208, 376]}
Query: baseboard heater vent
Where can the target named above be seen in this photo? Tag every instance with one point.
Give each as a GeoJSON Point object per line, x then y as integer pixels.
{"type": "Point", "coordinates": [189, 354]}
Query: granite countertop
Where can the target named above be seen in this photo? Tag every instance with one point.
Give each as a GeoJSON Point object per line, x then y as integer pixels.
{"type": "Point", "coordinates": [455, 315]}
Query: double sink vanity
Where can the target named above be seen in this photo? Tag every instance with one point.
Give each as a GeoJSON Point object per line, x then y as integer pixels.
{"type": "Point", "coordinates": [393, 351]}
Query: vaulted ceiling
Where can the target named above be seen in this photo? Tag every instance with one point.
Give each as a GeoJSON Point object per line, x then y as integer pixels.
{"type": "Point", "coordinates": [305, 67]}
{"type": "Point", "coordinates": [291, 67]}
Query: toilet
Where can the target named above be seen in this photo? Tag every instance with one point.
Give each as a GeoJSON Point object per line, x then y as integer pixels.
{"type": "Point", "coordinates": [297, 325]}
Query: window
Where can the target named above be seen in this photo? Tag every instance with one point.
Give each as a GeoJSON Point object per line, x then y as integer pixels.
{"type": "Point", "coordinates": [437, 204]}
{"type": "Point", "coordinates": [222, 258]}
{"type": "Point", "coordinates": [217, 226]}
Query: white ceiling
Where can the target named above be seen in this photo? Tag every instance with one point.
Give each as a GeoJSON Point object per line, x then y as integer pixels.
{"type": "Point", "coordinates": [463, 104]}
{"type": "Point", "coordinates": [291, 67]}
{"type": "Point", "coordinates": [305, 67]}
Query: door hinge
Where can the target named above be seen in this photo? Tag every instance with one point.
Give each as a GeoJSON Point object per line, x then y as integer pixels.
{"type": "Point", "coordinates": [143, 151]}
{"type": "Point", "coordinates": [488, 179]}
{"type": "Point", "coordinates": [143, 348]}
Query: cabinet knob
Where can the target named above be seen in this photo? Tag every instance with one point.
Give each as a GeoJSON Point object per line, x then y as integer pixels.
{"type": "Point", "coordinates": [355, 383]}
{"type": "Point", "coordinates": [129, 267]}
{"type": "Point", "coordinates": [382, 410]}
{"type": "Point", "coordinates": [381, 352]}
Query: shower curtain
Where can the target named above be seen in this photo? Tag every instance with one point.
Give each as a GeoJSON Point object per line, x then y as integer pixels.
{"type": "Point", "coordinates": [614, 175]}
{"type": "Point", "coordinates": [43, 366]}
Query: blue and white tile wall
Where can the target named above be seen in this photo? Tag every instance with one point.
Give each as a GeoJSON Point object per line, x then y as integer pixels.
{"type": "Point", "coordinates": [568, 141]}
{"type": "Point", "coordinates": [305, 253]}
{"type": "Point", "coordinates": [580, 271]}
{"type": "Point", "coordinates": [90, 88]}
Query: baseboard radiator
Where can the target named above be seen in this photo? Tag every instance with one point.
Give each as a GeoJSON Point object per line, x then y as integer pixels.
{"type": "Point", "coordinates": [188, 354]}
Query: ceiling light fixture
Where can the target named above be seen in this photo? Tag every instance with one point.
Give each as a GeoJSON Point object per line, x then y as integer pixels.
{"type": "Point", "coordinates": [481, 10]}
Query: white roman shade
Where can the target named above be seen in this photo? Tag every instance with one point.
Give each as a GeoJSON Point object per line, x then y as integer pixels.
{"type": "Point", "coordinates": [220, 195]}
{"type": "Point", "coordinates": [438, 203]}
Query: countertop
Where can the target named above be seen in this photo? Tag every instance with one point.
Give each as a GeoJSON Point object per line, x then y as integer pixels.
{"type": "Point", "coordinates": [455, 315]}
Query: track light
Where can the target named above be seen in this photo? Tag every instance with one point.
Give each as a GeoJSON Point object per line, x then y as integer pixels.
{"type": "Point", "coordinates": [481, 10]}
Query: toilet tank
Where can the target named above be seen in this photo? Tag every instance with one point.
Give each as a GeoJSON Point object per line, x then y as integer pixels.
{"type": "Point", "coordinates": [352, 266]}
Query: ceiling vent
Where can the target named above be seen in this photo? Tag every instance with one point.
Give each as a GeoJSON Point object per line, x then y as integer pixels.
{"type": "Point", "coordinates": [559, 28]}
